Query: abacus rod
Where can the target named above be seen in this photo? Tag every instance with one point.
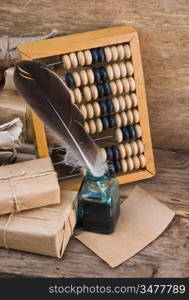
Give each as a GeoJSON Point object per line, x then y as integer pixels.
{"type": "Point", "coordinates": [69, 176]}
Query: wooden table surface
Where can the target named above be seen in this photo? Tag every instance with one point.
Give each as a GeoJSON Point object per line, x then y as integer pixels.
{"type": "Point", "coordinates": [167, 256]}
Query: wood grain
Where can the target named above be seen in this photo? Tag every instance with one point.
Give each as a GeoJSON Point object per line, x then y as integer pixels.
{"type": "Point", "coordinates": [165, 257]}
{"type": "Point", "coordinates": [163, 28]}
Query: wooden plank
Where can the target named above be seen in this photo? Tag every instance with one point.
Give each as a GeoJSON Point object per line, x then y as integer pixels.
{"type": "Point", "coordinates": [166, 257]}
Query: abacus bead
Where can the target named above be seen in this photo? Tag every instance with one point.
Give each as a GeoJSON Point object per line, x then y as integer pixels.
{"type": "Point", "coordinates": [138, 131]}
{"type": "Point", "coordinates": [125, 133]}
{"type": "Point", "coordinates": [109, 153]}
{"type": "Point", "coordinates": [116, 71]}
{"type": "Point", "coordinates": [132, 132]}
{"type": "Point", "coordinates": [140, 146]}
{"type": "Point", "coordinates": [118, 121]}
{"type": "Point", "coordinates": [96, 108]}
{"type": "Point", "coordinates": [100, 89]}
{"type": "Point", "coordinates": [103, 107]}
{"type": "Point", "coordinates": [72, 96]}
{"type": "Point", "coordinates": [115, 104]}
{"type": "Point", "coordinates": [123, 69]}
{"type": "Point", "coordinates": [103, 73]}
{"type": "Point", "coordinates": [132, 84]}
{"type": "Point", "coordinates": [129, 67]}
{"type": "Point", "coordinates": [96, 73]}
{"type": "Point", "coordinates": [113, 87]}
{"type": "Point", "coordinates": [73, 59]}
{"type": "Point", "coordinates": [107, 89]}
{"type": "Point", "coordinates": [114, 53]}
{"type": "Point", "coordinates": [117, 166]}
{"type": "Point", "coordinates": [77, 79]}
{"type": "Point", "coordinates": [90, 111]}
{"type": "Point", "coordinates": [119, 86]}
{"type": "Point", "coordinates": [81, 58]}
{"type": "Point", "coordinates": [69, 80]}
{"type": "Point", "coordinates": [94, 54]}
{"type": "Point", "coordinates": [126, 85]}
{"type": "Point", "coordinates": [101, 54]}
{"type": "Point", "coordinates": [122, 105]}
{"type": "Point", "coordinates": [136, 116]}
{"type": "Point", "coordinates": [124, 120]}
{"type": "Point", "coordinates": [66, 61]}
{"type": "Point", "coordinates": [110, 72]}
{"type": "Point", "coordinates": [136, 162]}
{"type": "Point", "coordinates": [124, 166]}
{"type": "Point", "coordinates": [111, 169]}
{"type": "Point", "coordinates": [130, 163]}
{"type": "Point", "coordinates": [128, 101]}
{"type": "Point", "coordinates": [92, 126]}
{"type": "Point", "coordinates": [118, 135]}
{"type": "Point", "coordinates": [129, 116]}
{"type": "Point", "coordinates": [103, 154]}
{"type": "Point", "coordinates": [122, 152]}
{"type": "Point", "coordinates": [84, 78]}
{"type": "Point", "coordinates": [134, 99]}
{"type": "Point", "coordinates": [83, 110]}
{"type": "Point", "coordinates": [105, 123]}
{"type": "Point", "coordinates": [77, 94]}
{"type": "Point", "coordinates": [111, 121]}
{"type": "Point", "coordinates": [94, 91]}
{"type": "Point", "coordinates": [121, 52]}
{"type": "Point", "coordinates": [134, 147]}
{"type": "Point", "coordinates": [110, 106]}
{"type": "Point", "coordinates": [90, 76]}
{"type": "Point", "coordinates": [127, 51]}
{"type": "Point", "coordinates": [128, 149]}
{"type": "Point", "coordinates": [87, 93]}
{"type": "Point", "coordinates": [108, 54]}
{"type": "Point", "coordinates": [142, 160]}
{"type": "Point", "coordinates": [115, 152]}
{"type": "Point", "coordinates": [99, 125]}
{"type": "Point", "coordinates": [88, 57]}
{"type": "Point", "coordinates": [86, 127]}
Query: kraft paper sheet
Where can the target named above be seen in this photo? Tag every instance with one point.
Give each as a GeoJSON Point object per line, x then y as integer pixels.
{"type": "Point", "coordinates": [142, 220]}
{"type": "Point", "coordinates": [44, 230]}
{"type": "Point", "coordinates": [27, 185]}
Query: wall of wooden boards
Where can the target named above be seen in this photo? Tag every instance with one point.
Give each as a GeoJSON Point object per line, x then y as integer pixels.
{"type": "Point", "coordinates": [163, 27]}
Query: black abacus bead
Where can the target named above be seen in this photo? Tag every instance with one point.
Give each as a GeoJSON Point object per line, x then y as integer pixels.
{"type": "Point", "coordinates": [105, 122]}
{"type": "Point", "coordinates": [69, 80]}
{"type": "Point", "coordinates": [103, 74]}
{"type": "Point", "coordinates": [103, 107]}
{"type": "Point", "coordinates": [111, 121]}
{"type": "Point", "coordinates": [117, 166]}
{"type": "Point", "coordinates": [109, 153]}
{"type": "Point", "coordinates": [107, 89]}
{"type": "Point", "coordinates": [101, 54]}
{"type": "Point", "coordinates": [110, 106]}
{"type": "Point", "coordinates": [132, 132]}
{"type": "Point", "coordinates": [96, 73]}
{"type": "Point", "coordinates": [125, 132]}
{"type": "Point", "coordinates": [115, 153]}
{"type": "Point", "coordinates": [94, 54]}
{"type": "Point", "coordinates": [100, 89]}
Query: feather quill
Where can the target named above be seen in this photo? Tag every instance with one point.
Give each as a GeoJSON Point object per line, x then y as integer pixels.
{"type": "Point", "coordinates": [49, 97]}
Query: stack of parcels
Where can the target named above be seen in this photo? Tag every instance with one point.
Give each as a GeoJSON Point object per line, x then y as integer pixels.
{"type": "Point", "coordinates": [36, 216]}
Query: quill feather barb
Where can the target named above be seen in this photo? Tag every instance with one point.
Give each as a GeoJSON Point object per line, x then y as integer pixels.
{"type": "Point", "coordinates": [50, 98]}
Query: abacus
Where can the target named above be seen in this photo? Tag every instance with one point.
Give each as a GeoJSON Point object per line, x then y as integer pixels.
{"type": "Point", "coordinates": [103, 71]}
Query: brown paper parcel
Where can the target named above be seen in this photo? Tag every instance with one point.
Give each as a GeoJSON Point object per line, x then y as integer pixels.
{"type": "Point", "coordinates": [142, 220]}
{"type": "Point", "coordinates": [45, 230]}
{"type": "Point", "coordinates": [27, 185]}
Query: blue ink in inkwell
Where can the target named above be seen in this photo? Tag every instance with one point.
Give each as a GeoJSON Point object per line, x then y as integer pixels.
{"type": "Point", "coordinates": [98, 204]}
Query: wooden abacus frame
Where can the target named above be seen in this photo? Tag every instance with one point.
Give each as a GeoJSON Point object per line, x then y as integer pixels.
{"type": "Point", "coordinates": [88, 40]}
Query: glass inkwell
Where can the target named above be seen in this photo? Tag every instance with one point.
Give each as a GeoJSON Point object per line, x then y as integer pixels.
{"type": "Point", "coordinates": [98, 204]}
